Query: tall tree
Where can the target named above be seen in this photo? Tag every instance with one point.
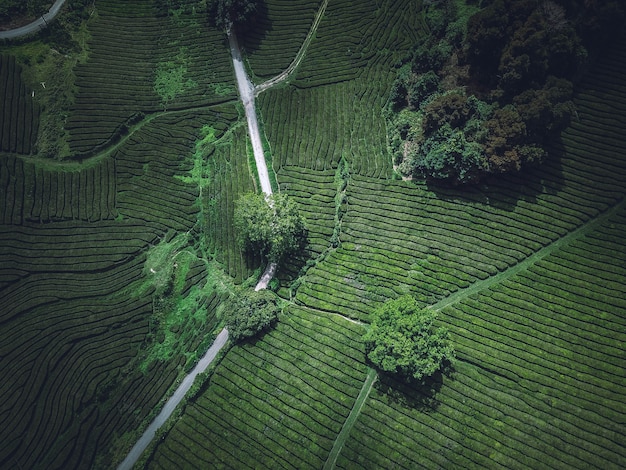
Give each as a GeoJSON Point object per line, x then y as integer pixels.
{"type": "Point", "coordinates": [271, 226]}
{"type": "Point", "coordinates": [404, 340]}
{"type": "Point", "coordinates": [249, 313]}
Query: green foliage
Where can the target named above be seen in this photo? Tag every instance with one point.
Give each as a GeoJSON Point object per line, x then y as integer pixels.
{"type": "Point", "coordinates": [228, 13]}
{"type": "Point", "coordinates": [10, 9]}
{"type": "Point", "coordinates": [449, 155]}
{"type": "Point", "coordinates": [271, 226]}
{"type": "Point", "coordinates": [170, 80]}
{"type": "Point", "coordinates": [507, 52]}
{"type": "Point", "coordinates": [249, 312]}
{"type": "Point", "coordinates": [404, 340]}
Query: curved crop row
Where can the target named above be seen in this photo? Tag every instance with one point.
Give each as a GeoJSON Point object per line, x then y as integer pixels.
{"type": "Point", "coordinates": [36, 194]}
{"type": "Point", "coordinates": [541, 376]}
{"type": "Point", "coordinates": [314, 128]}
{"type": "Point", "coordinates": [440, 235]}
{"type": "Point", "coordinates": [141, 63]}
{"type": "Point", "coordinates": [278, 403]}
{"type": "Point", "coordinates": [116, 81]}
{"type": "Point", "coordinates": [230, 178]}
{"type": "Point", "coordinates": [355, 36]}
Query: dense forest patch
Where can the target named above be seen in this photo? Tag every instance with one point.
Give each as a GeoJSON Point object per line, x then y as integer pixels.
{"type": "Point", "coordinates": [490, 85]}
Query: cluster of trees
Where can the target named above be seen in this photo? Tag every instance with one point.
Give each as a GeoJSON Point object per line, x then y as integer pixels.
{"type": "Point", "coordinates": [483, 92]}
{"type": "Point", "coordinates": [249, 313]}
{"type": "Point", "coordinates": [269, 225]}
{"type": "Point", "coordinates": [404, 340]}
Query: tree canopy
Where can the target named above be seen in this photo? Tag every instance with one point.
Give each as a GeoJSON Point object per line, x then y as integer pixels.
{"type": "Point", "coordinates": [270, 226]}
{"type": "Point", "coordinates": [227, 13]}
{"type": "Point", "coordinates": [403, 339]}
{"type": "Point", "coordinates": [492, 82]}
{"type": "Point", "coordinates": [249, 312]}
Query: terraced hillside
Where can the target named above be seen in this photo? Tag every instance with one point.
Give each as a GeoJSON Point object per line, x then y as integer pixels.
{"type": "Point", "coordinates": [104, 292]}
{"type": "Point", "coordinates": [274, 403]}
{"type": "Point", "coordinates": [19, 119]}
{"type": "Point", "coordinates": [527, 272]}
{"type": "Point", "coordinates": [141, 63]}
{"type": "Point", "coordinates": [110, 289]}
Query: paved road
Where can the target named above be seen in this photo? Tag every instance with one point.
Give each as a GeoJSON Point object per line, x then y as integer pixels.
{"type": "Point", "coordinates": [174, 400]}
{"type": "Point", "coordinates": [36, 25]}
{"type": "Point", "coordinates": [246, 92]}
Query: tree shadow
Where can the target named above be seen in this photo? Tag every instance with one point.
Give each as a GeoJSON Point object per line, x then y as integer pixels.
{"type": "Point", "coordinates": [417, 395]}
{"type": "Point", "coordinates": [506, 191]}
{"type": "Point", "coordinates": [251, 35]}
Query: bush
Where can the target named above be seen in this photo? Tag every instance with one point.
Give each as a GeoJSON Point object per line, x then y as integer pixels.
{"type": "Point", "coordinates": [249, 312]}
{"type": "Point", "coordinates": [404, 340]}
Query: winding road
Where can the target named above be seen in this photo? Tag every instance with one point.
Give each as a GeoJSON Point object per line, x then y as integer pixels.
{"type": "Point", "coordinates": [37, 25]}
{"type": "Point", "coordinates": [247, 94]}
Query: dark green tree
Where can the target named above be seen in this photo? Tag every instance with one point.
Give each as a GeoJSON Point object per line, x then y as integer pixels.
{"type": "Point", "coordinates": [271, 226]}
{"type": "Point", "coordinates": [404, 340]}
{"type": "Point", "coordinates": [249, 312]}
{"type": "Point", "coordinates": [228, 13]}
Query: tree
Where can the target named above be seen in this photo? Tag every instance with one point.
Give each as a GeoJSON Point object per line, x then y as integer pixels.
{"type": "Point", "coordinates": [249, 312]}
{"type": "Point", "coordinates": [227, 13]}
{"type": "Point", "coordinates": [271, 226]}
{"type": "Point", "coordinates": [403, 339]}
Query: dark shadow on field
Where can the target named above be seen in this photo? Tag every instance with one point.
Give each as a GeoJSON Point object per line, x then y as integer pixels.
{"type": "Point", "coordinates": [253, 34]}
{"type": "Point", "coordinates": [421, 396]}
{"type": "Point", "coordinates": [505, 191]}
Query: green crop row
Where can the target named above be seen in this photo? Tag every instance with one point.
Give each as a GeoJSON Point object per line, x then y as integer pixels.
{"type": "Point", "coordinates": [172, 64]}
{"type": "Point", "coordinates": [539, 382]}
{"type": "Point", "coordinates": [314, 128]}
{"type": "Point", "coordinates": [278, 402]}
{"type": "Point", "coordinates": [116, 80]}
{"type": "Point", "coordinates": [37, 194]}
{"type": "Point", "coordinates": [229, 178]}
{"type": "Point", "coordinates": [378, 34]}
{"type": "Point", "coordinates": [19, 118]}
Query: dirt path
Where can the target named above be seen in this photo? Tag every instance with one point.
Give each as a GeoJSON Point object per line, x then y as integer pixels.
{"type": "Point", "coordinates": [36, 25]}
{"type": "Point", "coordinates": [247, 93]}
{"type": "Point", "coordinates": [284, 75]}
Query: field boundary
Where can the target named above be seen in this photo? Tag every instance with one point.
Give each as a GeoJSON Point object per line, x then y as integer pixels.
{"type": "Point", "coordinates": [284, 75]}
{"type": "Point", "coordinates": [352, 417]}
{"type": "Point", "coordinates": [532, 259]}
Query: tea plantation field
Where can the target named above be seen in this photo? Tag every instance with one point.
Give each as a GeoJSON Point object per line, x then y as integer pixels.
{"type": "Point", "coordinates": [114, 261]}
{"type": "Point", "coordinates": [527, 272]}
{"type": "Point", "coordinates": [105, 287]}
